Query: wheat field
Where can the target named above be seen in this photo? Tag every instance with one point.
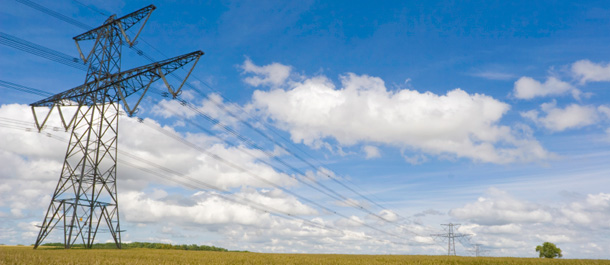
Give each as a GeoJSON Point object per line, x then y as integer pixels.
{"type": "Point", "coordinates": [27, 255]}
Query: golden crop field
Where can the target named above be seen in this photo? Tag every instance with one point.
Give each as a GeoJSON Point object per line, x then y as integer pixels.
{"type": "Point", "coordinates": [27, 255]}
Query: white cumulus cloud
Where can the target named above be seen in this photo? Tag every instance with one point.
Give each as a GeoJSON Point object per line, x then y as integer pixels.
{"type": "Point", "coordinates": [560, 119]}
{"type": "Point", "coordinates": [587, 71]}
{"type": "Point", "coordinates": [209, 208]}
{"type": "Point", "coordinates": [498, 219]}
{"type": "Point", "coordinates": [528, 88]}
{"type": "Point", "coordinates": [362, 110]}
{"type": "Point", "coordinates": [593, 212]}
{"type": "Point", "coordinates": [25, 188]}
{"type": "Point", "coordinates": [371, 151]}
{"type": "Point", "coordinates": [273, 74]}
{"type": "Point", "coordinates": [499, 208]}
{"type": "Point", "coordinates": [604, 109]}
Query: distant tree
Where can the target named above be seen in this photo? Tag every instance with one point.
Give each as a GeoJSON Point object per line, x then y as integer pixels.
{"type": "Point", "coordinates": [549, 250]}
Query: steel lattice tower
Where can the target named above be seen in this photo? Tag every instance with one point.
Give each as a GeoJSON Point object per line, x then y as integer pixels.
{"type": "Point", "coordinates": [86, 195]}
{"type": "Point", "coordinates": [450, 235]}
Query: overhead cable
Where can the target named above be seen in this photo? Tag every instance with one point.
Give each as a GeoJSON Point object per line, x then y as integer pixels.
{"type": "Point", "coordinates": [41, 51]}
{"type": "Point", "coordinates": [243, 121]}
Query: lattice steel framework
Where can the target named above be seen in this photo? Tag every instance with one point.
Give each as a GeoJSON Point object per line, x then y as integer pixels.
{"type": "Point", "coordinates": [450, 235]}
{"type": "Point", "coordinates": [86, 193]}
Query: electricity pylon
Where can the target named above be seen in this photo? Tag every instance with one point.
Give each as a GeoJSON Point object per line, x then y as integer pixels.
{"type": "Point", "coordinates": [86, 193]}
{"type": "Point", "coordinates": [478, 250]}
{"type": "Point", "coordinates": [450, 235]}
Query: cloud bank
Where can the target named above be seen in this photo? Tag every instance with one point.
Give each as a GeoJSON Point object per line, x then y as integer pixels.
{"type": "Point", "coordinates": [363, 110]}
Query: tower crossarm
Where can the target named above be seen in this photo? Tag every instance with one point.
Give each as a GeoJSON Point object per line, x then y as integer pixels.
{"type": "Point", "coordinates": [126, 22]}
{"type": "Point", "coordinates": [115, 88]}
{"type": "Point", "coordinates": [79, 96]}
{"type": "Point", "coordinates": [122, 24]}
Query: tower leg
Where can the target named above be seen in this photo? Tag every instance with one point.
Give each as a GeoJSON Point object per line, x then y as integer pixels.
{"type": "Point", "coordinates": [86, 194]}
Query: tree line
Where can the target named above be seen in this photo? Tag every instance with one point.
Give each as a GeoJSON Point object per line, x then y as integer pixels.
{"type": "Point", "coordinates": [193, 247]}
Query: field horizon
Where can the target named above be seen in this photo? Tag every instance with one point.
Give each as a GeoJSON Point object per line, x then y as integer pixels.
{"type": "Point", "coordinates": [53, 255]}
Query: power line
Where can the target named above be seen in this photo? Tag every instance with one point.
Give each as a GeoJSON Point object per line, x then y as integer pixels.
{"type": "Point", "coordinates": [326, 190]}
{"type": "Point", "coordinates": [186, 181]}
{"type": "Point", "coordinates": [258, 131]}
{"type": "Point", "coordinates": [243, 170]}
{"type": "Point", "coordinates": [54, 14]}
{"type": "Point", "coordinates": [92, 8]}
{"type": "Point", "coordinates": [164, 173]}
{"type": "Point", "coordinates": [226, 162]}
{"type": "Point", "coordinates": [337, 196]}
{"type": "Point", "coordinates": [252, 204]}
{"type": "Point", "coordinates": [217, 123]}
{"type": "Point", "coordinates": [245, 122]}
{"type": "Point", "coordinates": [266, 136]}
{"type": "Point", "coordinates": [168, 173]}
{"type": "Point", "coordinates": [258, 177]}
{"type": "Point", "coordinates": [21, 88]}
{"type": "Point", "coordinates": [41, 51]}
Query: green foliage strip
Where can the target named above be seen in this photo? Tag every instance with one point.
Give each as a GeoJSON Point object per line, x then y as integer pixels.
{"type": "Point", "coordinates": [193, 247]}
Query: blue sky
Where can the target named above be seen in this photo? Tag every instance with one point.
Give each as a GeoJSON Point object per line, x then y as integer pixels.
{"type": "Point", "coordinates": [490, 114]}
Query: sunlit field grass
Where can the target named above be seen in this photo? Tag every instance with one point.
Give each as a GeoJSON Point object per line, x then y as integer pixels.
{"type": "Point", "coordinates": [27, 255]}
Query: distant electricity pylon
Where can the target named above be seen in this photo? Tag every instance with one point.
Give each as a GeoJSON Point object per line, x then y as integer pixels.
{"type": "Point", "coordinates": [86, 193]}
{"type": "Point", "coordinates": [478, 250]}
{"type": "Point", "coordinates": [450, 235]}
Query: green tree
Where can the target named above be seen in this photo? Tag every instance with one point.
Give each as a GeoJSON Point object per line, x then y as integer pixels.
{"type": "Point", "coordinates": [549, 250]}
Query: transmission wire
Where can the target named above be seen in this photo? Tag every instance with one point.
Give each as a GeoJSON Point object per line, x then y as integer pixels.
{"type": "Point", "coordinates": [140, 52]}
{"type": "Point", "coordinates": [41, 51]}
{"type": "Point", "coordinates": [21, 88]}
{"type": "Point", "coordinates": [248, 202]}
